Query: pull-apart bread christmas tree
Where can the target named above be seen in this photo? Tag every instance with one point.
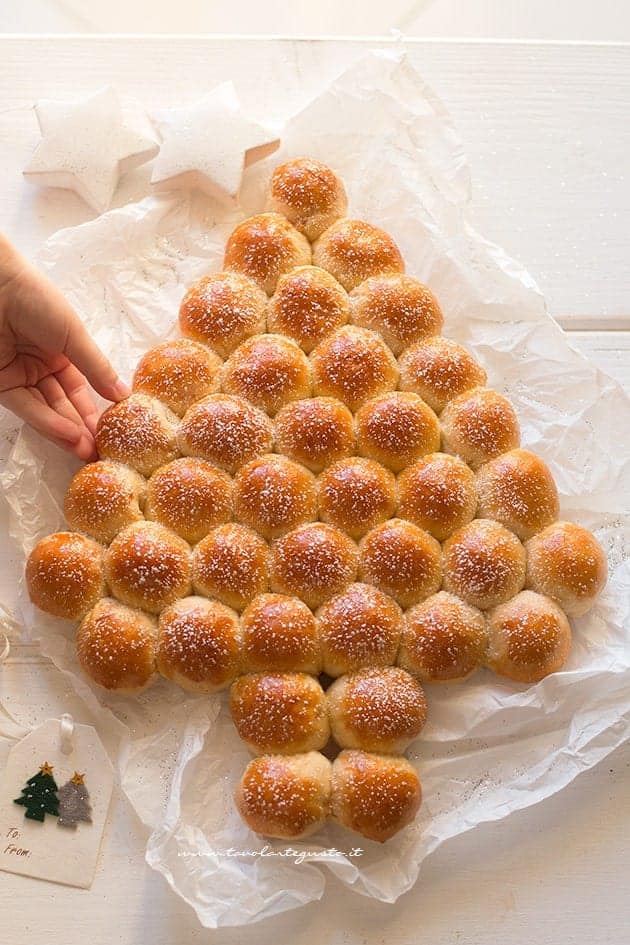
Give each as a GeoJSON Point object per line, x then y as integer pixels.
{"type": "Point", "coordinates": [313, 499]}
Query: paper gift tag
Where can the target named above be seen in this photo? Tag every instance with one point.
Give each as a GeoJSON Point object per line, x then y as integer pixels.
{"type": "Point", "coordinates": [54, 798]}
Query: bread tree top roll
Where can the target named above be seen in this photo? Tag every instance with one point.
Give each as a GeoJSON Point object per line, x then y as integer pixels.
{"type": "Point", "coordinates": [309, 194]}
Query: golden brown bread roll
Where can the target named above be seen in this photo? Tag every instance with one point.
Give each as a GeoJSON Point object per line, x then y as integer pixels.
{"type": "Point", "coordinates": [268, 370]}
{"type": "Point", "coordinates": [116, 646]}
{"type": "Point", "coordinates": [402, 561]}
{"type": "Point", "coordinates": [484, 564]}
{"type": "Point", "coordinates": [280, 634]}
{"type": "Point", "coordinates": [396, 429]}
{"type": "Point", "coordinates": [199, 644]}
{"type": "Point", "coordinates": [285, 796]}
{"type": "Point", "coordinates": [313, 562]}
{"type": "Point", "coordinates": [315, 432]}
{"type": "Point", "coordinates": [222, 310]}
{"type": "Point", "coordinates": [281, 713]}
{"type": "Point", "coordinates": [530, 638]}
{"type": "Point", "coordinates": [443, 639]}
{"type": "Point", "coordinates": [352, 365]}
{"type": "Point", "coordinates": [309, 194]}
{"type": "Point", "coordinates": [479, 425]}
{"type": "Point", "coordinates": [353, 250]}
{"type": "Point", "coordinates": [273, 495]}
{"type": "Point", "coordinates": [567, 563]}
{"type": "Point", "coordinates": [190, 496]}
{"type": "Point", "coordinates": [139, 431]}
{"type": "Point", "coordinates": [377, 709]}
{"type": "Point", "coordinates": [147, 566]}
{"type": "Point", "coordinates": [374, 795]}
{"type": "Point", "coordinates": [518, 490]}
{"type": "Point", "coordinates": [232, 564]}
{"type": "Point", "coordinates": [438, 494]}
{"type": "Point", "coordinates": [307, 305]}
{"type": "Point", "coordinates": [227, 431]}
{"type": "Point", "coordinates": [439, 370]}
{"type": "Point", "coordinates": [178, 373]}
{"type": "Point", "coordinates": [264, 247]}
{"type": "Point", "coordinates": [401, 309]}
{"type": "Point", "coordinates": [355, 494]}
{"type": "Point", "coordinates": [64, 574]}
{"type": "Point", "coordinates": [104, 497]}
{"type": "Point", "coordinates": [359, 627]}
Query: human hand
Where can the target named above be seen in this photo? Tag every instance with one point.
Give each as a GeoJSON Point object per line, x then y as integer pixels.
{"type": "Point", "coordinates": [48, 360]}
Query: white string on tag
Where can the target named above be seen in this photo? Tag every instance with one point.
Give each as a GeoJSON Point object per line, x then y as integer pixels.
{"type": "Point", "coordinates": [66, 733]}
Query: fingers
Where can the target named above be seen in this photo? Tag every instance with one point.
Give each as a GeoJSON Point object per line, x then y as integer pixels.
{"type": "Point", "coordinates": [76, 389]}
{"type": "Point", "coordinates": [34, 410]}
{"type": "Point", "coordinates": [56, 398]}
{"type": "Point", "coordinates": [92, 363]}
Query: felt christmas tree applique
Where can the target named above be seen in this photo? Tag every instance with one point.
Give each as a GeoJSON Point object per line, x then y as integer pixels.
{"type": "Point", "coordinates": [39, 795]}
{"type": "Point", "coordinates": [74, 802]}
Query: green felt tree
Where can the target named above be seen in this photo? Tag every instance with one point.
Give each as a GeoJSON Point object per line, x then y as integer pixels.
{"type": "Point", "coordinates": [39, 795]}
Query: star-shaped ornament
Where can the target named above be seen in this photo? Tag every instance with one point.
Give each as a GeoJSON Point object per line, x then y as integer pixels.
{"type": "Point", "coordinates": [78, 778]}
{"type": "Point", "coordinates": [88, 145]}
{"type": "Point", "coordinates": [209, 144]}
{"type": "Point", "coordinates": [46, 768]}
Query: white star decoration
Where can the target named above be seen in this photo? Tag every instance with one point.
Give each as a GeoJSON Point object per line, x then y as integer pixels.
{"type": "Point", "coordinates": [209, 144]}
{"type": "Point", "coordinates": [88, 145]}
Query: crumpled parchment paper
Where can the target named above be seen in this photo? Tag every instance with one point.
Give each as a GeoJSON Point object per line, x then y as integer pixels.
{"type": "Point", "coordinates": [491, 747]}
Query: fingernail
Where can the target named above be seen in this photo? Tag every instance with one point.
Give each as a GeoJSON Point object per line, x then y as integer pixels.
{"type": "Point", "coordinates": [121, 390]}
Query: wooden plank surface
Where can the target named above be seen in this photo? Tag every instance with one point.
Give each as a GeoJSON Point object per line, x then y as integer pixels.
{"type": "Point", "coordinates": [553, 873]}
{"type": "Point", "coordinates": [546, 128]}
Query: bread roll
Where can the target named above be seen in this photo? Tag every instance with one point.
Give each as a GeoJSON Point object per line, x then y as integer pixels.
{"type": "Point", "coordinates": [273, 495]}
{"type": "Point", "coordinates": [398, 307]}
{"type": "Point", "coordinates": [374, 795]}
{"type": "Point", "coordinates": [379, 710]}
{"type": "Point", "coordinates": [438, 494]}
{"type": "Point", "coordinates": [309, 194]}
{"type": "Point", "coordinates": [190, 496]}
{"type": "Point", "coordinates": [199, 644]}
{"type": "Point", "coordinates": [443, 639]}
{"type": "Point", "coordinates": [353, 365]}
{"type": "Point", "coordinates": [102, 498]}
{"type": "Point", "coordinates": [315, 432]}
{"type": "Point", "coordinates": [232, 564]}
{"type": "Point", "coordinates": [484, 563]}
{"type": "Point", "coordinates": [439, 370]}
{"type": "Point", "coordinates": [518, 490]}
{"type": "Point", "coordinates": [313, 562]}
{"type": "Point", "coordinates": [264, 247]}
{"type": "Point", "coordinates": [269, 371]}
{"type": "Point", "coordinates": [359, 627]}
{"type": "Point", "coordinates": [284, 713]}
{"type": "Point", "coordinates": [355, 494]}
{"type": "Point", "coordinates": [222, 310]}
{"type": "Point", "coordinates": [530, 638]}
{"type": "Point", "coordinates": [567, 563]}
{"type": "Point", "coordinates": [227, 431]}
{"type": "Point", "coordinates": [397, 429]}
{"type": "Point", "coordinates": [280, 634]}
{"type": "Point", "coordinates": [138, 431]}
{"type": "Point", "coordinates": [64, 574]}
{"type": "Point", "coordinates": [402, 561]}
{"type": "Point", "coordinates": [178, 373]}
{"type": "Point", "coordinates": [148, 567]}
{"type": "Point", "coordinates": [285, 796]}
{"type": "Point", "coordinates": [352, 250]}
{"type": "Point", "coordinates": [116, 647]}
{"type": "Point", "coordinates": [479, 425]}
{"type": "Point", "coordinates": [307, 305]}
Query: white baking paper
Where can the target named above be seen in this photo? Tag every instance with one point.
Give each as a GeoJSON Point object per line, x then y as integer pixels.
{"type": "Point", "coordinates": [491, 747]}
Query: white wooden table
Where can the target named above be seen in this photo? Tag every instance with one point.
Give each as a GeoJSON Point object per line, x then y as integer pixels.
{"type": "Point", "coordinates": [547, 131]}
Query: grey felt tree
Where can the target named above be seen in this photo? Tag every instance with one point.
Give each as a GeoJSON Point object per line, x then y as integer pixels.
{"type": "Point", "coordinates": [74, 802]}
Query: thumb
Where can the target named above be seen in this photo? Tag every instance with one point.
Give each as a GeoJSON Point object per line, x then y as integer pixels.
{"type": "Point", "coordinates": [90, 360]}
